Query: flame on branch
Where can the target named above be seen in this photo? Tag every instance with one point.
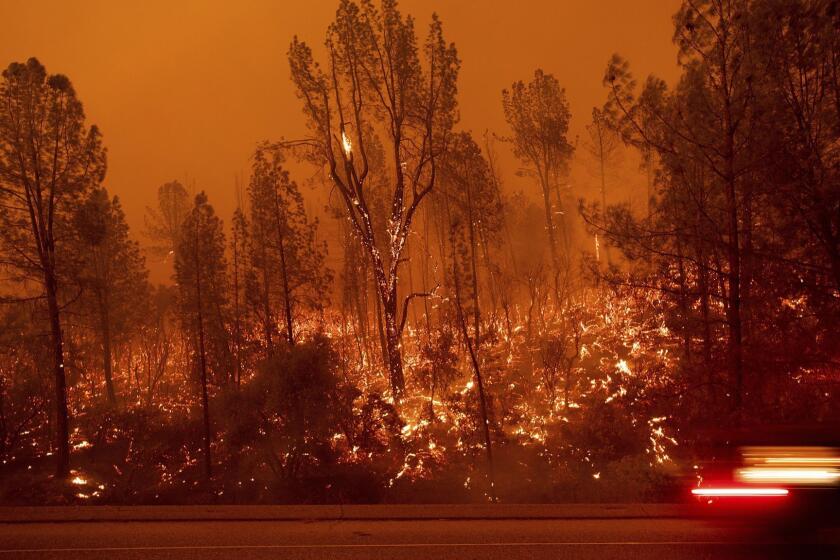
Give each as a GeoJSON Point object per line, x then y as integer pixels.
{"type": "Point", "coordinates": [397, 98]}
{"type": "Point", "coordinates": [346, 144]}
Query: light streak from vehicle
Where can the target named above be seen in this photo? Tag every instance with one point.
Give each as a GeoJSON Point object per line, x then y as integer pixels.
{"type": "Point", "coordinates": [788, 476]}
{"type": "Point", "coordinates": [740, 492]}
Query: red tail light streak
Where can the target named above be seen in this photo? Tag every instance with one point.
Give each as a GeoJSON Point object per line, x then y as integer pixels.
{"type": "Point", "coordinates": [740, 492]}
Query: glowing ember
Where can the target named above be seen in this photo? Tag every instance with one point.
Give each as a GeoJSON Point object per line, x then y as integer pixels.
{"type": "Point", "coordinates": [622, 366]}
{"type": "Point", "coordinates": [346, 143]}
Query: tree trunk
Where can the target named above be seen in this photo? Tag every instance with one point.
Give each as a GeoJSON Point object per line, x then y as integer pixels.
{"type": "Point", "coordinates": [266, 301]}
{"type": "Point", "coordinates": [392, 345]}
{"type": "Point", "coordinates": [492, 281]}
{"type": "Point", "coordinates": [202, 354]}
{"type": "Point", "coordinates": [703, 286]}
{"type": "Point", "coordinates": [474, 266]}
{"type": "Point", "coordinates": [733, 246]}
{"type": "Point", "coordinates": [287, 295]}
{"type": "Point", "coordinates": [603, 187]}
{"type": "Point", "coordinates": [424, 270]}
{"type": "Point", "coordinates": [237, 328]}
{"type": "Point", "coordinates": [685, 311]}
{"type": "Point", "coordinates": [485, 421]}
{"type": "Point", "coordinates": [62, 431]}
{"type": "Point", "coordinates": [649, 179]}
{"type": "Point", "coordinates": [380, 328]}
{"type": "Point", "coordinates": [284, 273]}
{"type": "Point", "coordinates": [107, 363]}
{"type": "Point", "coordinates": [734, 307]}
{"type": "Point", "coordinates": [205, 404]}
{"type": "Point", "coordinates": [736, 364]}
{"type": "Point", "coordinates": [552, 239]}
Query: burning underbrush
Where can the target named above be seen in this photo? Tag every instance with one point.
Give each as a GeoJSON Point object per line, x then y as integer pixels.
{"type": "Point", "coordinates": [583, 405]}
{"type": "Point", "coordinates": [575, 413]}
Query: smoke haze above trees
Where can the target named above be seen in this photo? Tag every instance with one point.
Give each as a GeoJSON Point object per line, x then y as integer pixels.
{"type": "Point", "coordinates": [159, 134]}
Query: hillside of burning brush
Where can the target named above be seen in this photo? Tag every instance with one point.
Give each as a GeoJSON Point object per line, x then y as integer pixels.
{"type": "Point", "coordinates": [401, 310]}
{"type": "Point", "coordinates": [589, 410]}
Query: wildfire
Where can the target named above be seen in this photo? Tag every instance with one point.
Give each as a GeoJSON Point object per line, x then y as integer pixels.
{"type": "Point", "coordinates": [346, 144]}
{"type": "Point", "coordinates": [617, 358]}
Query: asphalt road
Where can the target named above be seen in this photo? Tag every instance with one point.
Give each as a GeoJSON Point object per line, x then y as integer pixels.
{"type": "Point", "coordinates": [506, 539]}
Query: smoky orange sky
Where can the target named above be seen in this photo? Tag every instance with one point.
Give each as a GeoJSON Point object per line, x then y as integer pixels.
{"type": "Point", "coordinates": [185, 89]}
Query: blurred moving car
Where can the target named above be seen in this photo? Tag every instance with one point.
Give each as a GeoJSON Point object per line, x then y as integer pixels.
{"type": "Point", "coordinates": [789, 474]}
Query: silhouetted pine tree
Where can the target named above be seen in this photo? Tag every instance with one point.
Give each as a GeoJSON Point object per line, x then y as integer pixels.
{"type": "Point", "coordinates": [201, 275]}
{"type": "Point", "coordinates": [112, 274]}
{"type": "Point", "coordinates": [49, 159]}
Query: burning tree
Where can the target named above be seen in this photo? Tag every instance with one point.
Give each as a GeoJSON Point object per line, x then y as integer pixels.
{"type": "Point", "coordinates": [374, 85]}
